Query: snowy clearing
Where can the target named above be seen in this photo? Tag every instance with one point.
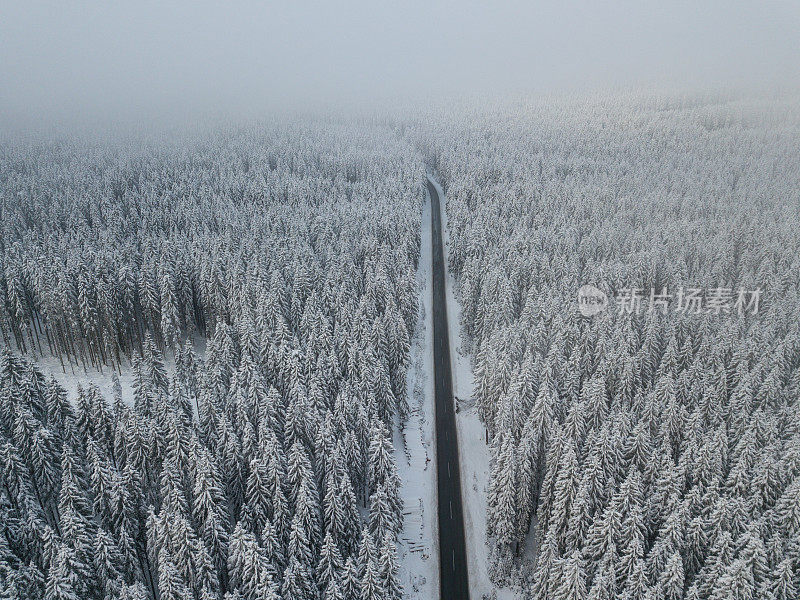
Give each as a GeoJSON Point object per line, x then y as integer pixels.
{"type": "Point", "coordinates": [71, 375]}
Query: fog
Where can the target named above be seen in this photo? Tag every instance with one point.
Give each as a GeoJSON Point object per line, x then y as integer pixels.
{"type": "Point", "coordinates": [145, 57]}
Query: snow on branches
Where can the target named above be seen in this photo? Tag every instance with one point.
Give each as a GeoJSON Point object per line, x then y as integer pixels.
{"type": "Point", "coordinates": [651, 455]}
{"type": "Point", "coordinates": [292, 249]}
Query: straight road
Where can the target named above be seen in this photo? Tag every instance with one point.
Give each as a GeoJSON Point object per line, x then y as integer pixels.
{"type": "Point", "coordinates": [452, 550]}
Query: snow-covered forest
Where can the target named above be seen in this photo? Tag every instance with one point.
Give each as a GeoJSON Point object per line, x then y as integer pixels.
{"type": "Point", "coordinates": [258, 287]}
{"type": "Point", "coordinates": [638, 456]}
{"type": "Point", "coordinates": [263, 468]}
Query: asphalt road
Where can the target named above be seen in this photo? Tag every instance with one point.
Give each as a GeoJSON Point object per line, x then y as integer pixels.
{"type": "Point", "coordinates": [452, 550]}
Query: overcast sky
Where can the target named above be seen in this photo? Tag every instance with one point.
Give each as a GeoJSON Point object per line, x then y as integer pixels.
{"type": "Point", "coordinates": [103, 57]}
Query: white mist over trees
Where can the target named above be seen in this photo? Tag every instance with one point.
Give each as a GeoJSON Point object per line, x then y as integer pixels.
{"type": "Point", "coordinates": [142, 60]}
{"type": "Point", "coordinates": [646, 457]}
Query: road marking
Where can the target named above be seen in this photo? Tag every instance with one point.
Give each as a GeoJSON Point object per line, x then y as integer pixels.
{"type": "Point", "coordinates": [448, 469]}
{"type": "Point", "coordinates": [451, 509]}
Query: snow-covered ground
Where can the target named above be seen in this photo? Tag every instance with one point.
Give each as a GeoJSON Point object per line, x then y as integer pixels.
{"type": "Point", "coordinates": [71, 376]}
{"type": "Point", "coordinates": [419, 547]}
{"type": "Point", "coordinates": [473, 451]}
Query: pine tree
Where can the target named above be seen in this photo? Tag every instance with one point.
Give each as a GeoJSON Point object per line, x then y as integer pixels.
{"type": "Point", "coordinates": [329, 565]}
{"type": "Point", "coordinates": [63, 577]}
{"type": "Point", "coordinates": [502, 519]}
{"type": "Point", "coordinates": [351, 585]}
{"type": "Point", "coordinates": [736, 582]}
{"type": "Point", "coordinates": [388, 569]}
{"type": "Point", "coordinates": [572, 583]}
{"type": "Point", "coordinates": [785, 583]}
{"type": "Point", "coordinates": [210, 511]}
{"type": "Point", "coordinates": [671, 579]}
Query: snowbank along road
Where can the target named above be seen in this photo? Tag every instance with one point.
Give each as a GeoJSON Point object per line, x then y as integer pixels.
{"type": "Point", "coordinates": [452, 551]}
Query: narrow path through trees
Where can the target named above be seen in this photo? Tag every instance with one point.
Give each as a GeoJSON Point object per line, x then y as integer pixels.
{"type": "Point", "coordinates": [452, 550]}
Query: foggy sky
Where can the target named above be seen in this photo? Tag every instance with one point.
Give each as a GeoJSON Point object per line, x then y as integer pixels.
{"type": "Point", "coordinates": [141, 55]}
